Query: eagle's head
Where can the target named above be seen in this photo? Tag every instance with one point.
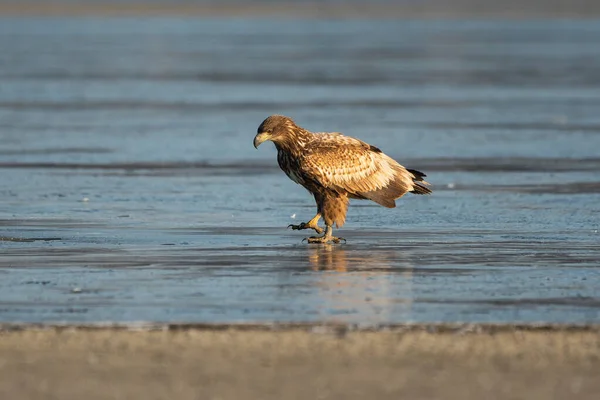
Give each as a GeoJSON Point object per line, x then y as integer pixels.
{"type": "Point", "coordinates": [275, 128]}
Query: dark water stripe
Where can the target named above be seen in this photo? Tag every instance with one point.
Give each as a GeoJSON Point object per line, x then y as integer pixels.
{"type": "Point", "coordinates": [524, 127]}
{"type": "Point", "coordinates": [514, 126]}
{"type": "Point", "coordinates": [250, 105]}
{"type": "Point", "coordinates": [28, 239]}
{"type": "Point", "coordinates": [582, 301]}
{"type": "Point", "coordinates": [530, 77]}
{"type": "Point", "coordinates": [318, 327]}
{"type": "Point", "coordinates": [121, 105]}
{"type": "Point", "coordinates": [476, 164]}
{"type": "Point", "coordinates": [48, 151]}
{"type": "Point", "coordinates": [441, 257]}
{"type": "Point", "coordinates": [553, 188]}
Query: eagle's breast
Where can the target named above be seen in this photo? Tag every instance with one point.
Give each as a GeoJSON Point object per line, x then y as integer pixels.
{"type": "Point", "coordinates": [290, 166]}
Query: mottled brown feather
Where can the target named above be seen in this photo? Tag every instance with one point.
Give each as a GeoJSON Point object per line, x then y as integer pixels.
{"type": "Point", "coordinates": [347, 165]}
{"type": "Point", "coordinates": [335, 167]}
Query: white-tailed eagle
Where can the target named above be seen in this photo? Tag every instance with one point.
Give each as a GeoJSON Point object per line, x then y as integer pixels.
{"type": "Point", "coordinates": [335, 168]}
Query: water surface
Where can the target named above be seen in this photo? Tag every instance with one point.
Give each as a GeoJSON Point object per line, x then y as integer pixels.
{"type": "Point", "coordinates": [130, 190]}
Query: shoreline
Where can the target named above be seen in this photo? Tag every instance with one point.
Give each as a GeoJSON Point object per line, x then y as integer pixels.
{"type": "Point", "coordinates": [294, 364]}
{"type": "Point", "coordinates": [304, 327]}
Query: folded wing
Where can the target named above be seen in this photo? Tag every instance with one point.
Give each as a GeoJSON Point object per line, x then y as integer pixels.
{"type": "Point", "coordinates": [345, 164]}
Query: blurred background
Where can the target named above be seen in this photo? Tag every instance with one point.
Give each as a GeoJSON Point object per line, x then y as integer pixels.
{"type": "Point", "coordinates": [126, 153]}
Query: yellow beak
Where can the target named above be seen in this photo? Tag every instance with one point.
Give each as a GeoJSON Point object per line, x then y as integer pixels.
{"type": "Point", "coordinates": [260, 138]}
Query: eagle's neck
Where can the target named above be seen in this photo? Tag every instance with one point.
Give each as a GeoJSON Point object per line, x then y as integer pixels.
{"type": "Point", "coordinates": [295, 141]}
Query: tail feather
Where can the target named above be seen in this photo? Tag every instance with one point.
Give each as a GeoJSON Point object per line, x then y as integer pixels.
{"type": "Point", "coordinates": [420, 185]}
{"type": "Point", "coordinates": [418, 175]}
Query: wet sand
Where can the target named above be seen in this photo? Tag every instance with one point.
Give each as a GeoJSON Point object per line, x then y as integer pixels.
{"type": "Point", "coordinates": [295, 363]}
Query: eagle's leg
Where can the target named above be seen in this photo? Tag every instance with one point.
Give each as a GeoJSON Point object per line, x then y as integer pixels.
{"type": "Point", "coordinates": [326, 238]}
{"type": "Point", "coordinates": [312, 224]}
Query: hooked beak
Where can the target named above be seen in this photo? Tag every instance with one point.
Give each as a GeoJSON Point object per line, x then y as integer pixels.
{"type": "Point", "coordinates": [260, 138]}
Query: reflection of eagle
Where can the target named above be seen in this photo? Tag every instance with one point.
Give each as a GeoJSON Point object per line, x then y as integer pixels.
{"type": "Point", "coordinates": [334, 168]}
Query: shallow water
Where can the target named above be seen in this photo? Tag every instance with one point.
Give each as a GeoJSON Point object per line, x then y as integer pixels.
{"type": "Point", "coordinates": [130, 189]}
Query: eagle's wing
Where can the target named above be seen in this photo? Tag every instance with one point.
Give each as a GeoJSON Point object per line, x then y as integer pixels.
{"type": "Point", "coordinates": [345, 164]}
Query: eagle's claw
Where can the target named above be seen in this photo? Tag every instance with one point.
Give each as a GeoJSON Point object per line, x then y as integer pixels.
{"type": "Point", "coordinates": [324, 239]}
{"type": "Point", "coordinates": [304, 225]}
{"type": "Point", "coordinates": [298, 227]}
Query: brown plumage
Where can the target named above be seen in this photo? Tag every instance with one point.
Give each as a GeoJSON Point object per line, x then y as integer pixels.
{"type": "Point", "coordinates": [336, 168]}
